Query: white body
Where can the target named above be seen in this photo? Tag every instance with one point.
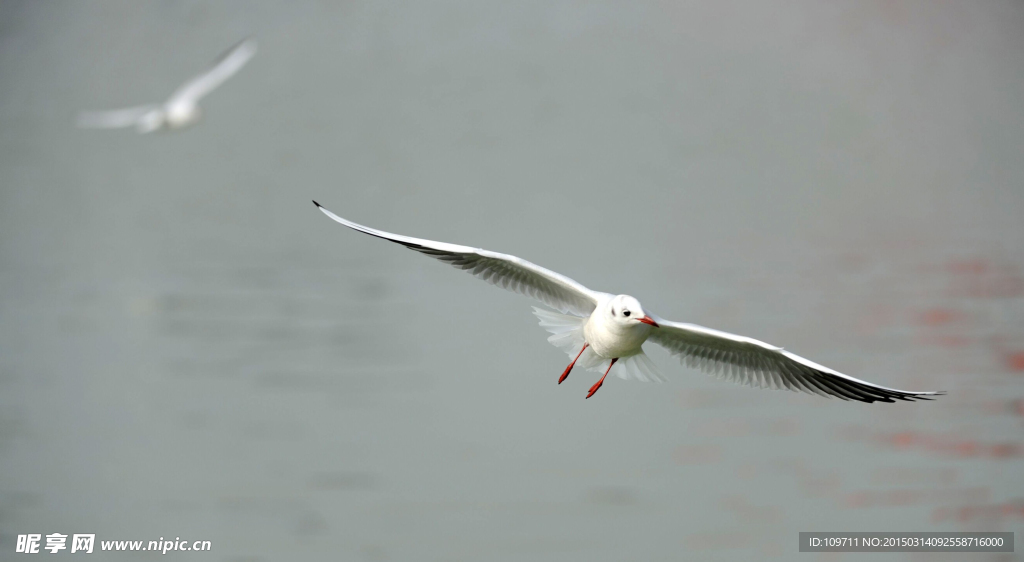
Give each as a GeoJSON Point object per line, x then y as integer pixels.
{"type": "Point", "coordinates": [606, 338]}
{"type": "Point", "coordinates": [609, 336]}
{"type": "Point", "coordinates": [180, 114]}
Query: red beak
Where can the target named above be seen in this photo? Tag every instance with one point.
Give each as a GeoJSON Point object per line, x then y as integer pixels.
{"type": "Point", "coordinates": [649, 320]}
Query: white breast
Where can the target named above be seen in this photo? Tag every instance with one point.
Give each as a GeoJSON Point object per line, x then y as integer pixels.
{"type": "Point", "coordinates": [611, 339]}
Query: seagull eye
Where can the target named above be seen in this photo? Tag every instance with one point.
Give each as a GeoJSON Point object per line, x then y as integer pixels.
{"type": "Point", "coordinates": [625, 313]}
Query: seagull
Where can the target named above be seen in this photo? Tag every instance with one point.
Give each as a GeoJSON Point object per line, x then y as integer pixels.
{"type": "Point", "coordinates": [182, 108]}
{"type": "Point", "coordinates": [601, 330]}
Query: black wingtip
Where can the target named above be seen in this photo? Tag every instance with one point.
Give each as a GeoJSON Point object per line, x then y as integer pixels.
{"type": "Point", "coordinates": [317, 204]}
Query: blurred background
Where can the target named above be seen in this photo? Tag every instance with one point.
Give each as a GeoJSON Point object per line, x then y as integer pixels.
{"type": "Point", "coordinates": [189, 349]}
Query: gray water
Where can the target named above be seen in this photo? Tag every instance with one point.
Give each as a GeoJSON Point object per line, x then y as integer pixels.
{"type": "Point", "coordinates": [188, 349]}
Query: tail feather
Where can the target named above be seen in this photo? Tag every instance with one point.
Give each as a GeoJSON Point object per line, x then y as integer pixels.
{"type": "Point", "coordinates": [566, 329]}
{"type": "Point", "coordinates": [639, 367]}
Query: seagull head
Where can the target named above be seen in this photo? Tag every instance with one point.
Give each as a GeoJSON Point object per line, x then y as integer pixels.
{"type": "Point", "coordinates": [626, 310]}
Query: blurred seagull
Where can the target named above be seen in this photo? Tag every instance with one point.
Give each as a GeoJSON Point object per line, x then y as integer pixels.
{"type": "Point", "coordinates": [182, 108]}
{"type": "Point", "coordinates": [601, 331]}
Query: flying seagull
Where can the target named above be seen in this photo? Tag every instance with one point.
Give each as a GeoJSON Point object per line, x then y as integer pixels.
{"type": "Point", "coordinates": [601, 331]}
{"type": "Point", "coordinates": [182, 108]}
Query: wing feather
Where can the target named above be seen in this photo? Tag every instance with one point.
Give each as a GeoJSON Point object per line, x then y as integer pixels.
{"type": "Point", "coordinates": [506, 271]}
{"type": "Point", "coordinates": [114, 118]}
{"type": "Point", "coordinates": [223, 68]}
{"type": "Point", "coordinates": [755, 363]}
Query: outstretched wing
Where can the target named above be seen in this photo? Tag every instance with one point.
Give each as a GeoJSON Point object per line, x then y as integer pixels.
{"type": "Point", "coordinates": [225, 67]}
{"type": "Point", "coordinates": [503, 270]}
{"type": "Point", "coordinates": [755, 363]}
{"type": "Point", "coordinates": [115, 118]}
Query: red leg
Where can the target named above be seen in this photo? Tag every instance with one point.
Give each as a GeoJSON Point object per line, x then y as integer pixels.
{"type": "Point", "coordinates": [598, 384]}
{"type": "Point", "coordinates": [569, 368]}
